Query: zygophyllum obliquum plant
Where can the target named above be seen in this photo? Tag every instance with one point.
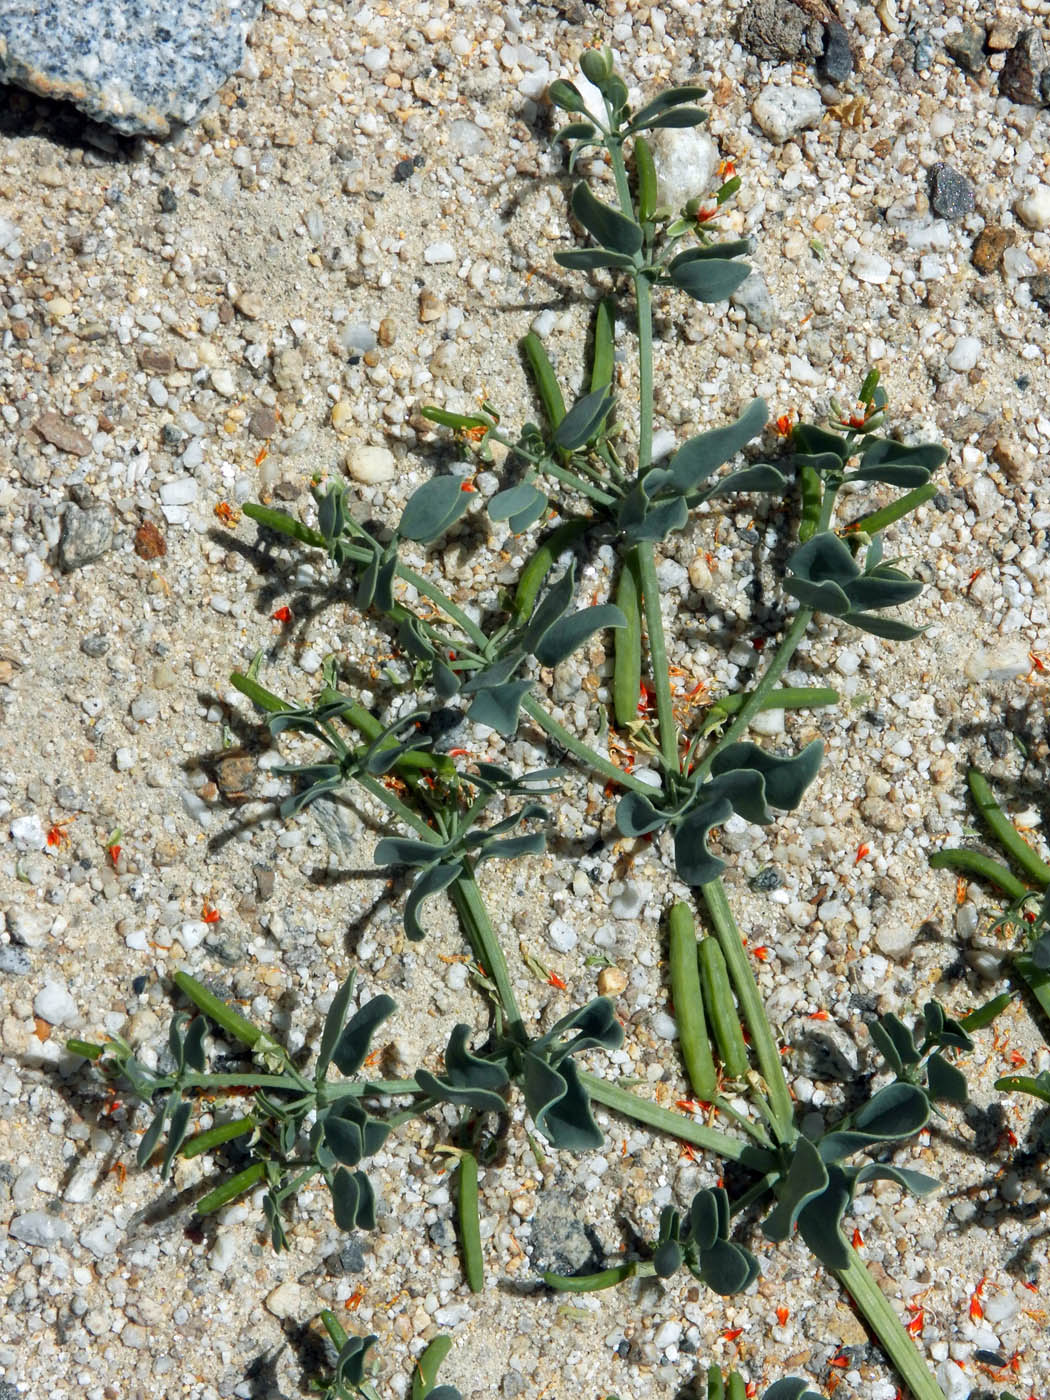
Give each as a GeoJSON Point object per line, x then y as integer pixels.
{"type": "Point", "coordinates": [581, 476]}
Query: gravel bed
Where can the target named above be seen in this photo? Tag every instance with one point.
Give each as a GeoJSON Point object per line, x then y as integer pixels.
{"type": "Point", "coordinates": [363, 222]}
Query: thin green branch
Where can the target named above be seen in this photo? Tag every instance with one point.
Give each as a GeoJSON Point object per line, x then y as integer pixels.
{"type": "Point", "coordinates": [630, 1105]}
{"type": "Point", "coordinates": [485, 945]}
{"type": "Point", "coordinates": [654, 626]}
{"type": "Point", "coordinates": [881, 1317]}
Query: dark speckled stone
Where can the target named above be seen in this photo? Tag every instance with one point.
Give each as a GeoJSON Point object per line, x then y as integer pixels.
{"type": "Point", "coordinates": [142, 66]}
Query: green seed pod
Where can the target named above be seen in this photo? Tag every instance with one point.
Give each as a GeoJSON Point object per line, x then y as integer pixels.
{"type": "Point", "coordinates": [688, 1004]}
{"type": "Point", "coordinates": [645, 173]}
{"type": "Point", "coordinates": [721, 1008]}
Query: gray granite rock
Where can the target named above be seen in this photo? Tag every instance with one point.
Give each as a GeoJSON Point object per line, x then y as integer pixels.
{"type": "Point", "coordinates": [1019, 79]}
{"type": "Point", "coordinates": [86, 536]}
{"type": "Point", "coordinates": [142, 66]}
{"type": "Point", "coordinates": [951, 194]}
{"type": "Point", "coordinates": [752, 296]}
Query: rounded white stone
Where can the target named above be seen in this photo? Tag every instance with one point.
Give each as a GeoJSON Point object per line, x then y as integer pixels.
{"type": "Point", "coordinates": [1034, 209]}
{"type": "Point", "coordinates": [371, 465]}
{"type": "Point", "coordinates": [965, 353]}
{"type": "Point", "coordinates": [54, 1004]}
{"type": "Point", "coordinates": [781, 111]}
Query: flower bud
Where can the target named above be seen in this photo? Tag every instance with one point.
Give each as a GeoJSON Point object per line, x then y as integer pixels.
{"type": "Point", "coordinates": [597, 66]}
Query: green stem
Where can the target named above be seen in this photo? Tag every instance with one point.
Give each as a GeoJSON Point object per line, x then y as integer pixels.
{"type": "Point", "coordinates": [399, 809]}
{"type": "Point", "coordinates": [763, 1045]}
{"type": "Point", "coordinates": [602, 766]}
{"type": "Point", "coordinates": [643, 298]}
{"type": "Point", "coordinates": [881, 1317]}
{"type": "Point", "coordinates": [754, 702]}
{"type": "Point", "coordinates": [562, 474]}
{"type": "Point", "coordinates": [485, 945]}
{"type": "Point", "coordinates": [1004, 831]}
{"type": "Point", "coordinates": [441, 600]}
{"type": "Point", "coordinates": [654, 626]}
{"type": "Point", "coordinates": [674, 1124]}
{"type": "Point", "coordinates": [607, 1278]}
{"type": "Point", "coordinates": [777, 666]}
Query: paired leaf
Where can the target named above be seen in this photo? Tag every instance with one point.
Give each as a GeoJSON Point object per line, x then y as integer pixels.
{"type": "Point", "coordinates": [469, 1079]}
{"type": "Point", "coordinates": [696, 459]}
{"type": "Point", "coordinates": [432, 508]}
{"type": "Point", "coordinates": [606, 225]}
{"type": "Point", "coordinates": [712, 279]}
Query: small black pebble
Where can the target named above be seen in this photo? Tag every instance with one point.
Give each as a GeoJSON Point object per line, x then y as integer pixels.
{"type": "Point", "coordinates": [166, 199]}
{"type": "Point", "coordinates": [837, 62]}
{"type": "Point", "coordinates": [768, 879]}
{"type": "Point", "coordinates": [1022, 381]}
{"type": "Point", "coordinates": [989, 1358]}
{"type": "Point", "coordinates": [941, 501]}
{"type": "Point", "coordinates": [170, 435]}
{"type": "Point", "coordinates": [139, 985]}
{"type": "Point", "coordinates": [403, 171]}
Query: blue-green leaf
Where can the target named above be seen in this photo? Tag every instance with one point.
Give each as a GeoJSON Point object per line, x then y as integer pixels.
{"type": "Point", "coordinates": [559, 1105]}
{"type": "Point", "coordinates": [786, 779]}
{"type": "Point", "coordinates": [714, 279]}
{"type": "Point", "coordinates": [506, 503]}
{"type": "Point", "coordinates": [947, 1084]}
{"type": "Point", "coordinates": [680, 116]}
{"type": "Point", "coordinates": [760, 477]}
{"type": "Point", "coordinates": [584, 419]}
{"type": "Point", "coordinates": [333, 1026]}
{"type": "Point", "coordinates": [658, 521]}
{"type": "Point", "coordinates": [431, 882]}
{"type": "Point", "coordinates": [807, 437]}
{"type": "Point", "coordinates": [587, 259]}
{"type": "Point", "coordinates": [469, 1079]}
{"type": "Point", "coordinates": [664, 102]}
{"type": "Point", "coordinates": [696, 459]}
{"type": "Point", "coordinates": [636, 815]}
{"type": "Point", "coordinates": [893, 474]}
{"type": "Point", "coordinates": [885, 452]}
{"type": "Point", "coordinates": [403, 850]}
{"type": "Point", "coordinates": [806, 1179]}
{"type": "Point", "coordinates": [351, 1048]}
{"type": "Point", "coordinates": [432, 508]}
{"type": "Point", "coordinates": [693, 861]}
{"type": "Point", "coordinates": [606, 225]}
{"type": "Point", "coordinates": [568, 633]}
{"type": "Point", "coordinates": [897, 1111]}
{"type": "Point", "coordinates": [730, 249]}
{"type": "Point", "coordinates": [498, 706]}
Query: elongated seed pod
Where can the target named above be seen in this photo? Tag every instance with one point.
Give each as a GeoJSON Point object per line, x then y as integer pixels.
{"type": "Point", "coordinates": [812, 496]}
{"type": "Point", "coordinates": [645, 172]}
{"type": "Point", "coordinates": [603, 358]}
{"type": "Point", "coordinates": [688, 1003]}
{"type": "Point", "coordinates": [627, 666]}
{"type": "Point", "coordinates": [469, 1225]}
{"type": "Point", "coordinates": [531, 578]}
{"type": "Point", "coordinates": [546, 381]}
{"type": "Point", "coordinates": [721, 1008]}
